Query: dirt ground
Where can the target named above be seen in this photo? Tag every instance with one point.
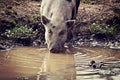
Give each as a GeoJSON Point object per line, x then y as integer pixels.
{"type": "Point", "coordinates": [12, 9]}
{"type": "Point", "coordinates": [86, 12]}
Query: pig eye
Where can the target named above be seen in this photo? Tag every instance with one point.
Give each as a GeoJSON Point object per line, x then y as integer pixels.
{"type": "Point", "coordinates": [50, 32]}
{"type": "Point", "coordinates": [62, 33]}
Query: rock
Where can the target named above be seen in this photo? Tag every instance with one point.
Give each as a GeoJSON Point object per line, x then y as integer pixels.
{"type": "Point", "coordinates": [9, 7]}
{"type": "Point", "coordinates": [2, 47]}
{"type": "Point", "coordinates": [5, 48]}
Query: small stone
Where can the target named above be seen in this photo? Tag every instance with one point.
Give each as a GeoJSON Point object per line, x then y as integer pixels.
{"type": "Point", "coordinates": [26, 78]}
{"type": "Point", "coordinates": [9, 7]}
{"type": "Point", "coordinates": [94, 66]}
{"type": "Point", "coordinates": [92, 62]}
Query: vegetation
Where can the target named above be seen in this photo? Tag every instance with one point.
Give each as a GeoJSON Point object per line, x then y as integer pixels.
{"type": "Point", "coordinates": [89, 1]}
{"type": "Point", "coordinates": [103, 29]}
{"type": "Point", "coordinates": [1, 0]}
{"type": "Point", "coordinates": [22, 32]}
{"type": "Point", "coordinates": [10, 11]}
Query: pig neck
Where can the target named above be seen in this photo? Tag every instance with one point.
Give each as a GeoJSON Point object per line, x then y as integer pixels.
{"type": "Point", "coordinates": [62, 11]}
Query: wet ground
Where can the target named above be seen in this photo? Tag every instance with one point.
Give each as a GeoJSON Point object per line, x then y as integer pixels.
{"type": "Point", "coordinates": [28, 63]}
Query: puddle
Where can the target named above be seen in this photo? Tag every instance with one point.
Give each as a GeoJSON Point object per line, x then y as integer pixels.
{"type": "Point", "coordinates": [20, 62]}
{"type": "Point", "coordinates": [25, 63]}
{"type": "Point", "coordinates": [105, 67]}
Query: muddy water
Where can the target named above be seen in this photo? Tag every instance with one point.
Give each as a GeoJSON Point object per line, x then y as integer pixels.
{"type": "Point", "coordinates": [61, 67]}
{"type": "Point", "coordinates": [26, 62]}
{"type": "Point", "coordinates": [109, 58]}
{"type": "Point", "coordinates": [20, 62]}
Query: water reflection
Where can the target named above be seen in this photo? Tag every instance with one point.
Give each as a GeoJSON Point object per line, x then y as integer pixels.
{"type": "Point", "coordinates": [27, 63]}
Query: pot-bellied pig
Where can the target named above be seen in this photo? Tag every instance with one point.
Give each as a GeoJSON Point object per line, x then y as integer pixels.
{"type": "Point", "coordinates": [58, 17]}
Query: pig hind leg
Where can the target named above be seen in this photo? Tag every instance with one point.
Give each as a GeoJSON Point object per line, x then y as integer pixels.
{"type": "Point", "coordinates": [77, 5]}
{"type": "Point", "coordinates": [75, 9]}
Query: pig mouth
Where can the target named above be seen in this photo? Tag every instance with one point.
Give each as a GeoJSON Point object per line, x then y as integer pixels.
{"type": "Point", "coordinates": [57, 50]}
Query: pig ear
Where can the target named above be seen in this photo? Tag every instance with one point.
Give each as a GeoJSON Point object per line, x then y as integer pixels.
{"type": "Point", "coordinates": [70, 23]}
{"type": "Point", "coordinates": [44, 20]}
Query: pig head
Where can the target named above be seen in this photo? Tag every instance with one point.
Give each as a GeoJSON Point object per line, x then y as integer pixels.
{"type": "Point", "coordinates": [57, 17]}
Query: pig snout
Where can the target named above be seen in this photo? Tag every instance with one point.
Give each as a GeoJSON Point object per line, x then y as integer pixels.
{"type": "Point", "coordinates": [57, 48]}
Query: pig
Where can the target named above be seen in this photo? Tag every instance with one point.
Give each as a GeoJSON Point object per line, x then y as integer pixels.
{"type": "Point", "coordinates": [58, 18]}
